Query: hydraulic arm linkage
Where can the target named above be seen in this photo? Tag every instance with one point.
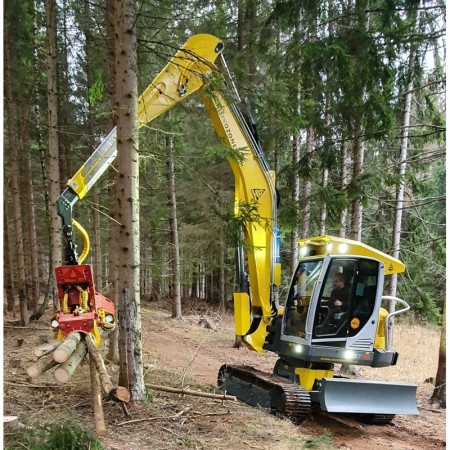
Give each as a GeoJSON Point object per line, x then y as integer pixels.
{"type": "Point", "coordinates": [190, 70]}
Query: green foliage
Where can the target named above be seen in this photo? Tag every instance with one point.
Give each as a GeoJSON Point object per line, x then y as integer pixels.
{"type": "Point", "coordinates": [323, 441]}
{"type": "Point", "coordinates": [67, 435]}
{"type": "Point", "coordinates": [149, 395]}
{"type": "Point", "coordinates": [95, 93]}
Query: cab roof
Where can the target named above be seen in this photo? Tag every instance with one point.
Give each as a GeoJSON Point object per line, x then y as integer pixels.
{"type": "Point", "coordinates": [331, 245]}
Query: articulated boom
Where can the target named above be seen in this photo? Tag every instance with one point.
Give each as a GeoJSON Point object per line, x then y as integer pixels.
{"type": "Point", "coordinates": [189, 72]}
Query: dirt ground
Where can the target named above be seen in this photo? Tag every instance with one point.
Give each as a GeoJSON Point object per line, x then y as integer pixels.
{"type": "Point", "coordinates": [186, 354]}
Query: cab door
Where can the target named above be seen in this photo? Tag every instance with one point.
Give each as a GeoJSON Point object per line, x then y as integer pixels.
{"type": "Point", "coordinates": [343, 312]}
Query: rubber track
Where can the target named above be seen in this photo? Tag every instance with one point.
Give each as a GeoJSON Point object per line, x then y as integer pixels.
{"type": "Point", "coordinates": [297, 403]}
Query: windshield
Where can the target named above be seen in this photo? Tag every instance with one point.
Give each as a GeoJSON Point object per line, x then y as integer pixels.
{"type": "Point", "coordinates": [299, 297]}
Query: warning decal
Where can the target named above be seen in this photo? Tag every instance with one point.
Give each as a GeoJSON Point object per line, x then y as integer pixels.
{"type": "Point", "coordinates": [257, 193]}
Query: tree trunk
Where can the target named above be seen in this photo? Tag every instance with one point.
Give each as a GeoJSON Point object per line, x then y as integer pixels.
{"type": "Point", "coordinates": [294, 255]}
{"type": "Point", "coordinates": [323, 206]}
{"type": "Point", "coordinates": [306, 211]}
{"type": "Point", "coordinates": [438, 399]}
{"type": "Point", "coordinates": [222, 293]}
{"type": "Point", "coordinates": [8, 278]}
{"type": "Point", "coordinates": [400, 195]}
{"type": "Point", "coordinates": [33, 282]}
{"type": "Point", "coordinates": [357, 209]}
{"type": "Point", "coordinates": [113, 230]}
{"type": "Point", "coordinates": [14, 154]}
{"type": "Point", "coordinates": [344, 172]}
{"type": "Point", "coordinates": [19, 238]}
{"type": "Point", "coordinates": [173, 230]}
{"type": "Point", "coordinates": [53, 145]}
{"type": "Point", "coordinates": [40, 143]}
{"type": "Point", "coordinates": [130, 345]}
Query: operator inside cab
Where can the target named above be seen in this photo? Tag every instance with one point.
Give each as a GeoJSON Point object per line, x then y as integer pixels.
{"type": "Point", "coordinates": [345, 301]}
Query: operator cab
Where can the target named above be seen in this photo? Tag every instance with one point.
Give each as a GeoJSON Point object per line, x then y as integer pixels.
{"type": "Point", "coordinates": [332, 298]}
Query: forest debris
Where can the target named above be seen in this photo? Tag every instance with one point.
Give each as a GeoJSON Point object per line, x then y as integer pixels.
{"type": "Point", "coordinates": [65, 370]}
{"type": "Point", "coordinates": [206, 323]}
{"type": "Point", "coordinates": [223, 396]}
{"type": "Point", "coordinates": [41, 366]}
{"type": "Point", "coordinates": [116, 393]}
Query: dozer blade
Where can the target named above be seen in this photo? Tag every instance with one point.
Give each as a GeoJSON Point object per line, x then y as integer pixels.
{"type": "Point", "coordinates": [340, 395]}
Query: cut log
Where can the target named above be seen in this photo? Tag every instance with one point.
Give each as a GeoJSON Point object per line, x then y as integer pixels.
{"type": "Point", "coordinates": [193, 393]}
{"type": "Point", "coordinates": [67, 347]}
{"type": "Point", "coordinates": [63, 373]}
{"type": "Point", "coordinates": [99, 417]}
{"type": "Point", "coordinates": [41, 366]}
{"type": "Point", "coordinates": [10, 422]}
{"type": "Point", "coordinates": [116, 393]}
{"type": "Point", "coordinates": [46, 348]}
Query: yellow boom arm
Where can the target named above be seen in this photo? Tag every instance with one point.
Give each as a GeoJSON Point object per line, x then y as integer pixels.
{"type": "Point", "coordinates": [187, 72]}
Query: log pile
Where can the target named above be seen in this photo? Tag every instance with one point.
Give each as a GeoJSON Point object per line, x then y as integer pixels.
{"type": "Point", "coordinates": [67, 356]}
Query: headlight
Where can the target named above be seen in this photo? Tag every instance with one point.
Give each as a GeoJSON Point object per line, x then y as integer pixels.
{"type": "Point", "coordinates": [109, 318]}
{"type": "Point", "coordinates": [349, 355]}
{"type": "Point", "coordinates": [298, 348]}
{"type": "Point", "coordinates": [54, 323]}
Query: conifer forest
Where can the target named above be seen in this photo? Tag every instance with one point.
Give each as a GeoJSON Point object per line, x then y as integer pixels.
{"type": "Point", "coordinates": [349, 103]}
{"type": "Point", "coordinates": [347, 100]}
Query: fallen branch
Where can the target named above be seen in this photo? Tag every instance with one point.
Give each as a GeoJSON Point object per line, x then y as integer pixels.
{"type": "Point", "coordinates": [193, 393]}
{"type": "Point", "coordinates": [117, 393]}
{"type": "Point", "coordinates": [41, 366]}
{"type": "Point", "coordinates": [63, 373]}
{"type": "Point", "coordinates": [149, 419]}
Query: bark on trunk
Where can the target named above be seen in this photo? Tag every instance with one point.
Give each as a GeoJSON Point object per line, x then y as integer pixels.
{"type": "Point", "coordinates": [438, 399]}
{"type": "Point", "coordinates": [130, 345]}
{"type": "Point", "coordinates": [400, 195]}
{"type": "Point", "coordinates": [294, 255]}
{"type": "Point", "coordinates": [357, 209]}
{"type": "Point", "coordinates": [8, 279]}
{"type": "Point", "coordinates": [53, 145]}
{"type": "Point", "coordinates": [345, 171]}
{"type": "Point", "coordinates": [33, 282]}
{"type": "Point", "coordinates": [14, 154]}
{"type": "Point", "coordinates": [323, 207]}
{"type": "Point", "coordinates": [306, 211]}
{"type": "Point", "coordinates": [113, 231]}
{"type": "Point", "coordinates": [173, 227]}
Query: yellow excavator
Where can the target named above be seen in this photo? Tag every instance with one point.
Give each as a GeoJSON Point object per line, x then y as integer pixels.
{"type": "Point", "coordinates": [315, 330]}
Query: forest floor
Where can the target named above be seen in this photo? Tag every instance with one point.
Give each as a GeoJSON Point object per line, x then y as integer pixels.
{"type": "Point", "coordinates": [186, 354]}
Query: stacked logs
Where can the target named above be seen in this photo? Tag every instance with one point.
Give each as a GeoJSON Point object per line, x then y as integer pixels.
{"type": "Point", "coordinates": [67, 355]}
